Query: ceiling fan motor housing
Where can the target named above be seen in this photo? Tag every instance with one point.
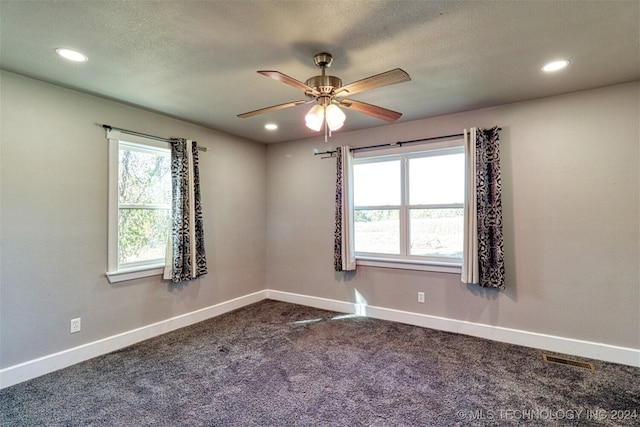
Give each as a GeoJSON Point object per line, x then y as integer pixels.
{"type": "Point", "coordinates": [324, 84]}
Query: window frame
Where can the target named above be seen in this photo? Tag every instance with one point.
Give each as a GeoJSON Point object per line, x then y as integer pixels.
{"type": "Point", "coordinates": [115, 273]}
{"type": "Point", "coordinates": [405, 260]}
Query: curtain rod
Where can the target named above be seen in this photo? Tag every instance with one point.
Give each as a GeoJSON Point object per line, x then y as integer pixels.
{"type": "Point", "coordinates": [158, 138]}
{"type": "Point", "coordinates": [392, 144]}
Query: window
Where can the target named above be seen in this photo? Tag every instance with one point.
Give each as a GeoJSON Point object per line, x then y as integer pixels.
{"type": "Point", "coordinates": [139, 205]}
{"type": "Point", "coordinates": [408, 207]}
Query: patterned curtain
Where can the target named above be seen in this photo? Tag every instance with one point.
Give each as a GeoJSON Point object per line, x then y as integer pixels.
{"type": "Point", "coordinates": [186, 259]}
{"type": "Point", "coordinates": [483, 257]}
{"type": "Point", "coordinates": [344, 258]}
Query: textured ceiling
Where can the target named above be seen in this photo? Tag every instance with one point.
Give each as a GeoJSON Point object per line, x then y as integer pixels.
{"type": "Point", "coordinates": [197, 60]}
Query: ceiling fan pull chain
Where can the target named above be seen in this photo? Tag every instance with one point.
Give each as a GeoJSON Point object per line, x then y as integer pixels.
{"type": "Point", "coordinates": [325, 130]}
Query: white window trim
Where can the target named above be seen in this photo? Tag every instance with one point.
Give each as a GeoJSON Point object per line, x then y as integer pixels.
{"type": "Point", "coordinates": [114, 274]}
{"type": "Point", "coordinates": [134, 273]}
{"type": "Point", "coordinates": [407, 263]}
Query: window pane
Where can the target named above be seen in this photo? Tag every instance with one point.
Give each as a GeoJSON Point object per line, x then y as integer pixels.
{"type": "Point", "coordinates": [145, 177]}
{"type": "Point", "coordinates": [436, 232]}
{"type": "Point", "coordinates": [142, 234]}
{"type": "Point", "coordinates": [377, 231]}
{"type": "Point", "coordinates": [436, 179]}
{"type": "Point", "coordinates": [377, 184]}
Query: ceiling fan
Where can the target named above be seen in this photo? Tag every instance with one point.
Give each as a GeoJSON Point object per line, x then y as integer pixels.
{"type": "Point", "coordinates": [329, 94]}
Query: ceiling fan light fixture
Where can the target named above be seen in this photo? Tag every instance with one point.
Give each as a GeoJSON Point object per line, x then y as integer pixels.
{"type": "Point", "coordinates": [315, 117]}
{"type": "Point", "coordinates": [335, 127]}
{"type": "Point", "coordinates": [334, 116]}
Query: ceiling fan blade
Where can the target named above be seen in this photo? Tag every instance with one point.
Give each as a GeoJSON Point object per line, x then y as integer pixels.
{"type": "Point", "coordinates": [384, 79]}
{"type": "Point", "coordinates": [371, 110]}
{"type": "Point", "coordinates": [277, 75]}
{"type": "Point", "coordinates": [273, 108]}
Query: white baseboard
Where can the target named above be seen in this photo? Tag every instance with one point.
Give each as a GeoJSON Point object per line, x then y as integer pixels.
{"type": "Point", "coordinates": [34, 368]}
{"type": "Point", "coordinates": [50, 363]}
{"type": "Point", "coordinates": [569, 346]}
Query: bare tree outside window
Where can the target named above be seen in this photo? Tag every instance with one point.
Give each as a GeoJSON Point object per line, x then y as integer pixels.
{"type": "Point", "coordinates": [144, 203]}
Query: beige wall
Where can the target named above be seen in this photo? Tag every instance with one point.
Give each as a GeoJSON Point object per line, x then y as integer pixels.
{"type": "Point", "coordinates": [54, 221]}
{"type": "Point", "coordinates": [570, 173]}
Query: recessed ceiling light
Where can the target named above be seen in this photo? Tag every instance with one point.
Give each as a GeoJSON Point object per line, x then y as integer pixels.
{"type": "Point", "coordinates": [71, 55]}
{"type": "Point", "coordinates": [271, 126]}
{"type": "Point", "coordinates": [555, 65]}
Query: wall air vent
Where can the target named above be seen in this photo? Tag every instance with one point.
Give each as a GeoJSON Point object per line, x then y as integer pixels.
{"type": "Point", "coordinates": [570, 362]}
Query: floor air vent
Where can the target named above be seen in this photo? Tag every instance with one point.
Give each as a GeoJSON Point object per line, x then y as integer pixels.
{"type": "Point", "coordinates": [570, 362]}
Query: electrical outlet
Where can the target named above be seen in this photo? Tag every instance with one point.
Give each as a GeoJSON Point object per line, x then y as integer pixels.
{"type": "Point", "coordinates": [421, 297]}
{"type": "Point", "coordinates": [75, 325]}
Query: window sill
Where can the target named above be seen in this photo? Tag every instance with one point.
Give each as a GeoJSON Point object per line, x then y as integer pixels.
{"type": "Point", "coordinates": [135, 273]}
{"type": "Point", "coordinates": [409, 264]}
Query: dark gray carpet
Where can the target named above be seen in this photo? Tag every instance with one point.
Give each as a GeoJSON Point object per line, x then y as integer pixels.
{"type": "Point", "coordinates": [279, 364]}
